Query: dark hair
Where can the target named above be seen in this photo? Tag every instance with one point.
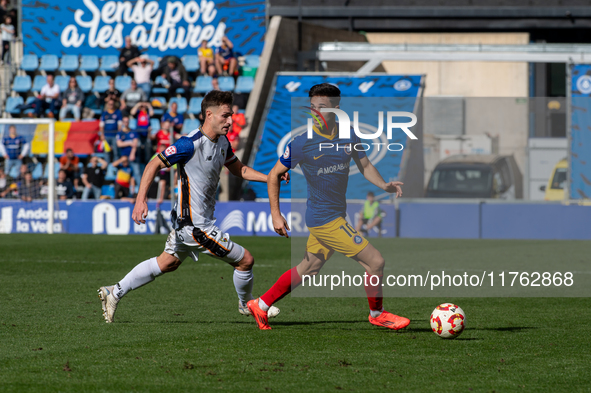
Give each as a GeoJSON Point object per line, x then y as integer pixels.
{"type": "Point", "coordinates": [370, 193]}
{"type": "Point", "coordinates": [216, 98]}
{"type": "Point", "coordinates": [326, 90]}
{"type": "Point", "coordinates": [62, 170]}
{"type": "Point", "coordinates": [69, 149]}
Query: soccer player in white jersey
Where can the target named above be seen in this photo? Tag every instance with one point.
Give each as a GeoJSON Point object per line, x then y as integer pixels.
{"type": "Point", "coordinates": [199, 157]}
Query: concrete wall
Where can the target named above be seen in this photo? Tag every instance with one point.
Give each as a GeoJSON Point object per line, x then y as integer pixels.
{"type": "Point", "coordinates": [468, 79]}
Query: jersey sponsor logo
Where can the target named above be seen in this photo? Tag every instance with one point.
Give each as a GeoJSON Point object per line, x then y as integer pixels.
{"type": "Point", "coordinates": [332, 168]}
{"type": "Point", "coordinates": [170, 150]}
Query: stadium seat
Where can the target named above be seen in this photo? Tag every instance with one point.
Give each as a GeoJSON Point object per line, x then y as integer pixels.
{"type": "Point", "coordinates": [159, 110]}
{"type": "Point", "coordinates": [69, 63]}
{"type": "Point", "coordinates": [39, 82]}
{"type": "Point", "coordinates": [122, 83]}
{"type": "Point", "coordinates": [13, 172]}
{"type": "Point", "coordinates": [30, 63]}
{"type": "Point", "coordinates": [244, 84]}
{"type": "Point", "coordinates": [22, 84]}
{"type": "Point", "coordinates": [203, 85]}
{"type": "Point", "coordinates": [181, 102]}
{"type": "Point", "coordinates": [89, 63]}
{"type": "Point", "coordinates": [109, 63]}
{"type": "Point", "coordinates": [12, 103]}
{"type": "Point", "coordinates": [49, 63]}
{"type": "Point", "coordinates": [189, 125]}
{"type": "Point", "coordinates": [108, 190]}
{"type": "Point", "coordinates": [155, 124]}
{"type": "Point", "coordinates": [84, 82]}
{"type": "Point", "coordinates": [111, 174]}
{"type": "Point", "coordinates": [101, 84]}
{"type": "Point", "coordinates": [37, 171]}
{"type": "Point", "coordinates": [29, 101]}
{"type": "Point", "coordinates": [56, 170]}
{"type": "Point", "coordinates": [155, 59]}
{"type": "Point", "coordinates": [191, 63]}
{"type": "Point", "coordinates": [132, 123]}
{"type": "Point", "coordinates": [160, 90]}
{"type": "Point", "coordinates": [252, 61]}
{"type": "Point", "coordinates": [195, 105]}
{"type": "Point", "coordinates": [62, 82]}
{"type": "Point", "coordinates": [226, 83]}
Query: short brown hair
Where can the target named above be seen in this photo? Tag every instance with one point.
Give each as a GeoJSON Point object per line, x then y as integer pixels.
{"type": "Point", "coordinates": [216, 98]}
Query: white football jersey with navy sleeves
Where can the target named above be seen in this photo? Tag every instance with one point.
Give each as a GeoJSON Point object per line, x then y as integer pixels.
{"type": "Point", "coordinates": [199, 163]}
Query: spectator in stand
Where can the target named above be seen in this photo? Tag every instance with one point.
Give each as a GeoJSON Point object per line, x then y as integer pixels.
{"type": "Point", "coordinates": [48, 98]}
{"type": "Point", "coordinates": [173, 117]}
{"type": "Point", "coordinates": [142, 69]}
{"type": "Point", "coordinates": [4, 184]}
{"type": "Point", "coordinates": [69, 164]}
{"type": "Point", "coordinates": [111, 94]}
{"type": "Point", "coordinates": [15, 148]}
{"type": "Point", "coordinates": [238, 123]}
{"type": "Point", "coordinates": [110, 125]}
{"type": "Point", "coordinates": [224, 57]}
{"type": "Point", "coordinates": [176, 75]}
{"type": "Point", "coordinates": [28, 189]}
{"type": "Point", "coordinates": [162, 137]}
{"type": "Point", "coordinates": [128, 52]}
{"type": "Point", "coordinates": [206, 59]}
{"type": "Point", "coordinates": [72, 100]}
{"type": "Point", "coordinates": [64, 188]}
{"type": "Point", "coordinates": [3, 9]}
{"type": "Point", "coordinates": [93, 178]}
{"type": "Point", "coordinates": [124, 182]}
{"type": "Point", "coordinates": [21, 174]}
{"type": "Point", "coordinates": [131, 97]}
{"type": "Point", "coordinates": [215, 83]}
{"type": "Point", "coordinates": [127, 141]}
{"type": "Point", "coordinates": [7, 37]}
{"type": "Point", "coordinates": [143, 112]}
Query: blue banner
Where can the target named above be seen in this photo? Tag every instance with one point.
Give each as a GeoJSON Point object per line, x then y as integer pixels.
{"type": "Point", "coordinates": [580, 149]}
{"type": "Point", "coordinates": [368, 96]}
{"type": "Point", "coordinates": [114, 218]}
{"type": "Point", "coordinates": [159, 27]}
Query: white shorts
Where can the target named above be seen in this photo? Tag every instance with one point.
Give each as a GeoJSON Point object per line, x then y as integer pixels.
{"type": "Point", "coordinates": [189, 241]}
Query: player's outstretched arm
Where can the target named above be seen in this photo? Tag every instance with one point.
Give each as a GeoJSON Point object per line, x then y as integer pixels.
{"type": "Point", "coordinates": [237, 168]}
{"type": "Point", "coordinates": [140, 211]}
{"type": "Point", "coordinates": [274, 178]}
{"type": "Point", "coordinates": [371, 173]}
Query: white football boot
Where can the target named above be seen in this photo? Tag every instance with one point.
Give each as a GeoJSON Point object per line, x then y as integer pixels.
{"type": "Point", "coordinates": [108, 302]}
{"type": "Point", "coordinates": [243, 309]}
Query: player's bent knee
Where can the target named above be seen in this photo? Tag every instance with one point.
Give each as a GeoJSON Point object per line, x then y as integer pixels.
{"type": "Point", "coordinates": [246, 262]}
{"type": "Point", "coordinates": [168, 263]}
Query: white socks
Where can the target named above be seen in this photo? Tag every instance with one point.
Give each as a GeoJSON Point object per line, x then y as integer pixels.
{"type": "Point", "coordinates": [263, 306]}
{"type": "Point", "coordinates": [140, 275]}
{"type": "Point", "coordinates": [243, 281]}
{"type": "Point", "coordinates": [376, 313]}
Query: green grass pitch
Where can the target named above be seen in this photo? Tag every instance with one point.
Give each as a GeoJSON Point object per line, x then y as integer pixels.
{"type": "Point", "coordinates": [183, 332]}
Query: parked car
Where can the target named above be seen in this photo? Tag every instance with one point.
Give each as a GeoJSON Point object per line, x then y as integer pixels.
{"type": "Point", "coordinates": [476, 176]}
{"type": "Point", "coordinates": [556, 183]}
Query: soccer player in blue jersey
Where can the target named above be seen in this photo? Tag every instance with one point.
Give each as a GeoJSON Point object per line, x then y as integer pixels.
{"type": "Point", "coordinates": [15, 149]}
{"type": "Point", "coordinates": [200, 156]}
{"type": "Point", "coordinates": [327, 175]}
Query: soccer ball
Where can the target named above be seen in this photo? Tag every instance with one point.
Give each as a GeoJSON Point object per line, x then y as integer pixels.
{"type": "Point", "coordinates": [448, 320]}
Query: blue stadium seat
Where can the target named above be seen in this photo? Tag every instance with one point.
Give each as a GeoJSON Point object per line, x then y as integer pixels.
{"type": "Point", "coordinates": [155, 124]}
{"type": "Point", "coordinates": [160, 90]}
{"type": "Point", "coordinates": [191, 63]}
{"type": "Point", "coordinates": [132, 123]}
{"type": "Point", "coordinates": [39, 82]}
{"type": "Point", "coordinates": [189, 125]}
{"type": "Point", "coordinates": [13, 172]}
{"type": "Point", "coordinates": [22, 84]}
{"type": "Point", "coordinates": [37, 171]}
{"type": "Point", "coordinates": [84, 82]}
{"type": "Point", "coordinates": [244, 84]}
{"type": "Point", "coordinates": [56, 170]}
{"type": "Point", "coordinates": [159, 111]}
{"type": "Point", "coordinates": [195, 105]}
{"type": "Point", "coordinates": [122, 83]}
{"type": "Point", "coordinates": [203, 84]}
{"type": "Point", "coordinates": [109, 63]}
{"type": "Point", "coordinates": [89, 63]}
{"type": "Point", "coordinates": [29, 101]}
{"type": "Point", "coordinates": [12, 103]}
{"type": "Point", "coordinates": [226, 83]}
{"type": "Point", "coordinates": [181, 102]}
{"type": "Point", "coordinates": [252, 61]}
{"type": "Point", "coordinates": [155, 59]}
{"type": "Point", "coordinates": [30, 63]}
{"type": "Point", "coordinates": [62, 82]}
{"type": "Point", "coordinates": [69, 63]}
{"type": "Point", "coordinates": [101, 84]}
{"type": "Point", "coordinates": [49, 63]}
{"type": "Point", "coordinates": [108, 190]}
{"type": "Point", "coordinates": [111, 174]}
